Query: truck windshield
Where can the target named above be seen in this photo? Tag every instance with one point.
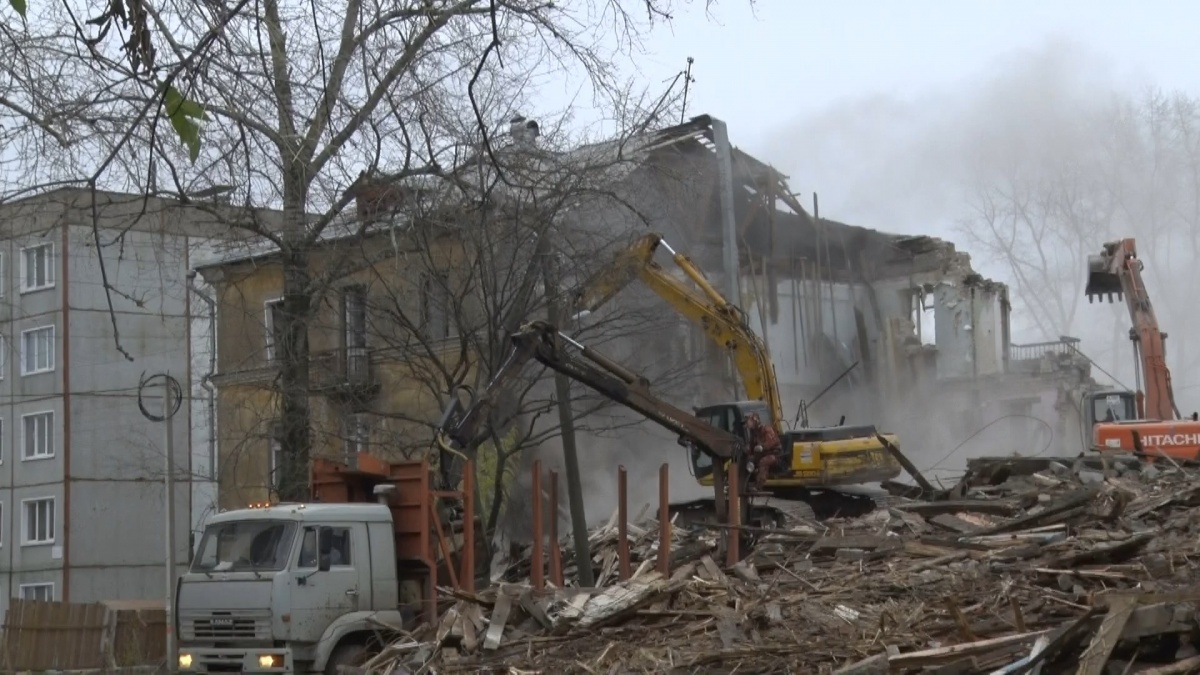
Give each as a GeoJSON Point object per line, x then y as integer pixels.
{"type": "Point", "coordinates": [245, 546]}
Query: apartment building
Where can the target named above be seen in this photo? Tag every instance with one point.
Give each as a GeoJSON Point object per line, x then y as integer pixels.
{"type": "Point", "coordinates": [94, 295]}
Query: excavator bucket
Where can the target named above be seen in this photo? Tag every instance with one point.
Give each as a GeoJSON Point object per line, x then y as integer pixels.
{"type": "Point", "coordinates": [1102, 279]}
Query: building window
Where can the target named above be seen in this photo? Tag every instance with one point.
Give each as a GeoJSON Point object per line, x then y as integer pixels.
{"type": "Point", "coordinates": [354, 317]}
{"type": "Point", "coordinates": [39, 521]}
{"type": "Point", "coordinates": [37, 435]}
{"type": "Point", "coordinates": [435, 307]}
{"type": "Point", "coordinates": [43, 592]}
{"type": "Point", "coordinates": [37, 269]}
{"type": "Point", "coordinates": [273, 311]}
{"type": "Point", "coordinates": [37, 350]}
{"type": "Point", "coordinates": [275, 458]}
{"type": "Point", "coordinates": [356, 434]}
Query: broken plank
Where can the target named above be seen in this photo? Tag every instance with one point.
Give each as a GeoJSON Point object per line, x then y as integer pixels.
{"type": "Point", "coordinates": [868, 542]}
{"type": "Point", "coordinates": [991, 507]}
{"type": "Point", "coordinates": [934, 656]}
{"type": "Point", "coordinates": [953, 523]}
{"type": "Point", "coordinates": [1116, 553]}
{"type": "Point", "coordinates": [875, 665]}
{"type": "Point", "coordinates": [1066, 508]}
{"type": "Point", "coordinates": [495, 631]}
{"type": "Point", "coordinates": [1095, 658]}
{"type": "Point", "coordinates": [621, 599]}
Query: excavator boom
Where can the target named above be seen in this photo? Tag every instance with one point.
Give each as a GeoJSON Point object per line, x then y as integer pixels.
{"type": "Point", "coordinates": [723, 322]}
{"type": "Point", "coordinates": [544, 343]}
{"type": "Point", "coordinates": [1148, 424]}
{"type": "Point", "coordinates": [1118, 271]}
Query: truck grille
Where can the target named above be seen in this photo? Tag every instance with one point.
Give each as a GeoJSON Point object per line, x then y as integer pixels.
{"type": "Point", "coordinates": [226, 626]}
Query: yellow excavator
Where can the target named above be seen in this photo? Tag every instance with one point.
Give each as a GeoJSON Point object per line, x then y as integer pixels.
{"type": "Point", "coordinates": [815, 460]}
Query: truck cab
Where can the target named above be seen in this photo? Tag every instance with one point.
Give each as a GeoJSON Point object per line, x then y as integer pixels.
{"type": "Point", "coordinates": [290, 588]}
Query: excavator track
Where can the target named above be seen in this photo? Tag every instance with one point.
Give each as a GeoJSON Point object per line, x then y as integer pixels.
{"type": "Point", "coordinates": [779, 511]}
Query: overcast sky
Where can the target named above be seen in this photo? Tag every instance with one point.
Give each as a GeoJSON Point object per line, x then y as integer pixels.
{"type": "Point", "coordinates": [785, 69]}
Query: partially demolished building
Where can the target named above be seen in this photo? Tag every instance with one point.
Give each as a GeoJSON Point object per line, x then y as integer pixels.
{"type": "Point", "coordinates": [906, 332]}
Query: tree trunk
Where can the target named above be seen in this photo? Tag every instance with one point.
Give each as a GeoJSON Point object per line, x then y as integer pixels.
{"type": "Point", "coordinates": [294, 361]}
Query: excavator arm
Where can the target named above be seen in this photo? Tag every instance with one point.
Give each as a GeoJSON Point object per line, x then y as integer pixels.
{"type": "Point", "coordinates": [722, 321]}
{"type": "Point", "coordinates": [544, 343]}
{"type": "Point", "coordinates": [1118, 271]}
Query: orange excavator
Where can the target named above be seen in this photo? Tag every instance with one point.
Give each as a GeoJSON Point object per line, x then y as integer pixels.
{"type": "Point", "coordinates": [1146, 423]}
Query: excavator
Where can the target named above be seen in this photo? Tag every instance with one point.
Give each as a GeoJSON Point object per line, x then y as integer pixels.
{"type": "Point", "coordinates": [815, 459]}
{"type": "Point", "coordinates": [708, 441]}
{"type": "Point", "coordinates": [1147, 423]}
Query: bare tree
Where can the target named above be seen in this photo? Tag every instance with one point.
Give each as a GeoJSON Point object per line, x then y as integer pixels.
{"type": "Point", "coordinates": [1127, 167]}
{"type": "Point", "coordinates": [473, 263]}
{"type": "Point", "coordinates": [306, 103]}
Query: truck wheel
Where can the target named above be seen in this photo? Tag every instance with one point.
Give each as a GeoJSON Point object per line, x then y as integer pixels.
{"type": "Point", "coordinates": [351, 654]}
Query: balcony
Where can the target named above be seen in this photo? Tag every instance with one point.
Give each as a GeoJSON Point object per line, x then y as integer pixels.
{"type": "Point", "coordinates": [1064, 346]}
{"type": "Point", "coordinates": [345, 372]}
{"type": "Point", "coordinates": [1044, 358]}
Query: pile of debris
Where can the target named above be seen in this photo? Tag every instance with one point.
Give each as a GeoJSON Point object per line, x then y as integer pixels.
{"type": "Point", "coordinates": [1028, 563]}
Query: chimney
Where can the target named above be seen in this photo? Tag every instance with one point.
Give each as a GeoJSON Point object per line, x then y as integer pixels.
{"type": "Point", "coordinates": [523, 131]}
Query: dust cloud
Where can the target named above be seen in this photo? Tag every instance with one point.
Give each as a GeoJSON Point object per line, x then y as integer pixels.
{"type": "Point", "coordinates": [1028, 166]}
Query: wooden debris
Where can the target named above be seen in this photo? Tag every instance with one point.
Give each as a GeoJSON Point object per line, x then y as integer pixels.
{"type": "Point", "coordinates": [1053, 565]}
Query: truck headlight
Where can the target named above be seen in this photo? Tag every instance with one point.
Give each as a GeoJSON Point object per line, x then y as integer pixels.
{"type": "Point", "coordinates": [270, 661]}
{"type": "Point", "coordinates": [185, 660]}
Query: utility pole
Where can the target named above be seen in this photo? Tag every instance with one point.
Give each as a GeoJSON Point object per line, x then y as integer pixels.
{"type": "Point", "coordinates": [169, 446]}
{"type": "Point", "coordinates": [566, 421]}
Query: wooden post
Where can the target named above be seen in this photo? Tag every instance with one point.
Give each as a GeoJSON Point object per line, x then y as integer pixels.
{"type": "Point", "coordinates": [537, 571]}
{"type": "Point", "coordinates": [623, 524]}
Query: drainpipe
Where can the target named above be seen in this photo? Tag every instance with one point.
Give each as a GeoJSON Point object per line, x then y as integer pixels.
{"type": "Point", "coordinates": [206, 381]}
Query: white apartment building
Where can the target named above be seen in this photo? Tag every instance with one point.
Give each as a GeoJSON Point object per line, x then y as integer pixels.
{"type": "Point", "coordinates": [82, 499]}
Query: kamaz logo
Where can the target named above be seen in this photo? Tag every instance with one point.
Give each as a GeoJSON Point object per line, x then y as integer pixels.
{"type": "Point", "coordinates": [1160, 440]}
{"type": "Point", "coordinates": [221, 622]}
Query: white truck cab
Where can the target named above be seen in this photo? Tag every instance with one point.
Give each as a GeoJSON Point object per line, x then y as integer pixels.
{"type": "Point", "coordinates": [290, 588]}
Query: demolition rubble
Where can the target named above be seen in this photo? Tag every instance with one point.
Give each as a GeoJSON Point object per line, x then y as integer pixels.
{"type": "Point", "coordinates": [1026, 566]}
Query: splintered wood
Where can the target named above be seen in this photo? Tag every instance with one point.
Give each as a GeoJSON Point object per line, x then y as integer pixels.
{"type": "Point", "coordinates": [1049, 566]}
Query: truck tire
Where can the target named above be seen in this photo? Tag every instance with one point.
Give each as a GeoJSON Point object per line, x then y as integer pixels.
{"type": "Point", "coordinates": [350, 654]}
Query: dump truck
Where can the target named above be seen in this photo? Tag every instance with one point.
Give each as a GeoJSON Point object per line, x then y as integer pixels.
{"type": "Point", "coordinates": [817, 459]}
{"type": "Point", "coordinates": [1146, 422]}
{"type": "Point", "coordinates": [310, 587]}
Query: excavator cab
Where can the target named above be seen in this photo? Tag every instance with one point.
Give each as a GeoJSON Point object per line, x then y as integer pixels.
{"type": "Point", "coordinates": [728, 417]}
{"type": "Point", "coordinates": [1107, 407]}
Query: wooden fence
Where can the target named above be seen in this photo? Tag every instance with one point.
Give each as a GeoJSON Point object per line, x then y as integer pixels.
{"type": "Point", "coordinates": [69, 636]}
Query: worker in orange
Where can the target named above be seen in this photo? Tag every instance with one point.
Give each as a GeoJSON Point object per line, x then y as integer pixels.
{"type": "Point", "coordinates": [764, 449]}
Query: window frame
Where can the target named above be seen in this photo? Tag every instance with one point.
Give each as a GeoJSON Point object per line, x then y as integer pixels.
{"type": "Point", "coordinates": [52, 356]}
{"type": "Point", "coordinates": [50, 279]}
{"type": "Point", "coordinates": [40, 584]}
{"type": "Point", "coordinates": [269, 342]}
{"type": "Point", "coordinates": [274, 452]}
{"type": "Point", "coordinates": [349, 537]}
{"type": "Point", "coordinates": [53, 528]}
{"type": "Point", "coordinates": [356, 433]}
{"type": "Point", "coordinates": [436, 298]}
{"type": "Point", "coordinates": [50, 436]}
